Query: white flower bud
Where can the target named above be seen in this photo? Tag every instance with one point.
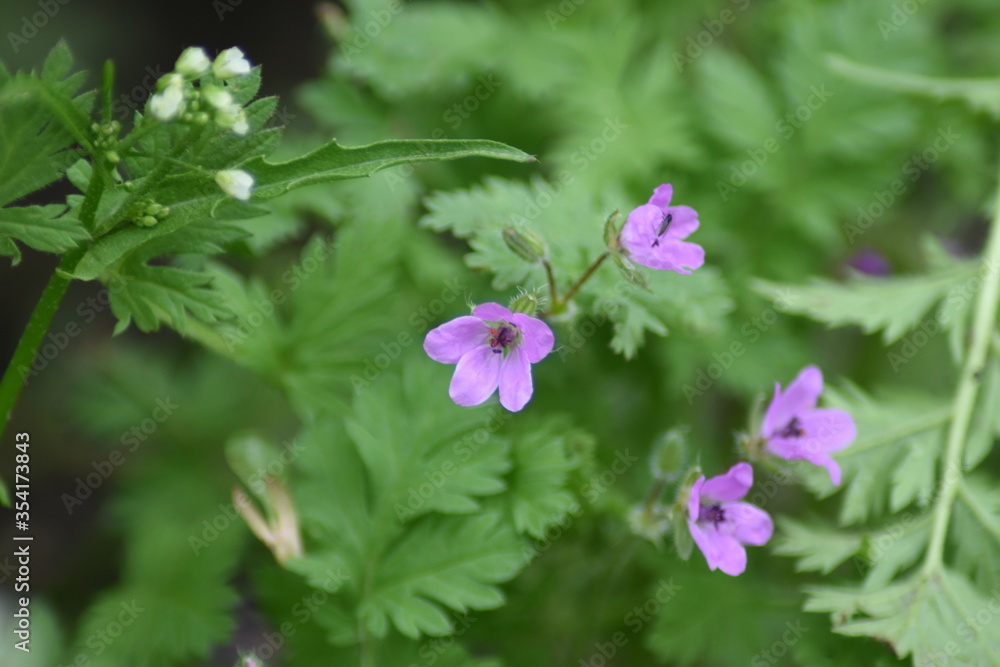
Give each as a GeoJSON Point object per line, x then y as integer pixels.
{"type": "Point", "coordinates": [230, 63]}
{"type": "Point", "coordinates": [217, 97]}
{"type": "Point", "coordinates": [236, 183]}
{"type": "Point", "coordinates": [167, 105]}
{"type": "Point", "coordinates": [193, 62]}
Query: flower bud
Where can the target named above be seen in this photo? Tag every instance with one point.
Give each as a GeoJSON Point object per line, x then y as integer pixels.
{"type": "Point", "coordinates": [216, 97]}
{"type": "Point", "coordinates": [669, 455]}
{"type": "Point", "coordinates": [524, 243]}
{"type": "Point", "coordinates": [230, 63]}
{"type": "Point", "coordinates": [193, 62]}
{"type": "Point", "coordinates": [610, 233]}
{"type": "Point", "coordinates": [524, 303]}
{"type": "Point", "coordinates": [236, 183]}
{"type": "Point", "coordinates": [167, 105]}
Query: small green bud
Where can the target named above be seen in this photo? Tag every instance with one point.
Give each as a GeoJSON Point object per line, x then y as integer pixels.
{"type": "Point", "coordinates": [146, 221]}
{"type": "Point", "coordinates": [524, 244]}
{"type": "Point", "coordinates": [524, 303]}
{"type": "Point", "coordinates": [669, 455]}
{"type": "Point", "coordinates": [682, 536]}
{"type": "Point", "coordinates": [163, 213]}
{"type": "Point", "coordinates": [153, 208]}
{"type": "Point", "coordinates": [610, 232]}
{"type": "Point", "coordinates": [112, 157]}
{"type": "Point", "coordinates": [200, 118]}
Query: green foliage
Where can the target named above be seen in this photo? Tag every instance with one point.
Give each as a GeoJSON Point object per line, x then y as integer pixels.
{"type": "Point", "coordinates": [393, 500]}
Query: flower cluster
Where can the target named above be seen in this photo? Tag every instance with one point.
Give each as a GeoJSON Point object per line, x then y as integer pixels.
{"type": "Point", "coordinates": [178, 98]}
{"type": "Point", "coordinates": [495, 347]}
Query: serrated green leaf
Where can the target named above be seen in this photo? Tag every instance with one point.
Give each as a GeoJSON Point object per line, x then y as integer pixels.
{"type": "Point", "coordinates": [922, 617]}
{"type": "Point", "coordinates": [538, 497]}
{"type": "Point", "coordinates": [817, 548]}
{"type": "Point", "coordinates": [334, 162]}
{"type": "Point", "coordinates": [886, 427]}
{"type": "Point", "coordinates": [891, 305]}
{"type": "Point", "coordinates": [43, 228]}
{"type": "Point", "coordinates": [373, 500]}
{"type": "Point", "coordinates": [736, 99]}
{"type": "Point", "coordinates": [975, 530]}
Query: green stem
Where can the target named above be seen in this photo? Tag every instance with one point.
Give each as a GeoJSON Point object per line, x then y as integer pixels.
{"type": "Point", "coordinates": [552, 283]}
{"type": "Point", "coordinates": [965, 398]}
{"type": "Point", "coordinates": [19, 368]}
{"type": "Point", "coordinates": [584, 278]}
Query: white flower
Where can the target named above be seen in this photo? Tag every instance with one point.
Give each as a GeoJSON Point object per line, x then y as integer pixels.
{"type": "Point", "coordinates": [167, 105]}
{"type": "Point", "coordinates": [230, 63]}
{"type": "Point", "coordinates": [193, 62]}
{"type": "Point", "coordinates": [236, 183]}
{"type": "Point", "coordinates": [217, 97]}
{"type": "Point", "coordinates": [232, 118]}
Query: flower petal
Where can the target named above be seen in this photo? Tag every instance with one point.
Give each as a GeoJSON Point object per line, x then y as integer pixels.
{"type": "Point", "coordinates": [800, 397]}
{"type": "Point", "coordinates": [476, 377]}
{"type": "Point", "coordinates": [670, 255]}
{"type": "Point", "coordinates": [493, 312]}
{"type": "Point", "coordinates": [683, 223]}
{"type": "Point", "coordinates": [537, 339]}
{"type": "Point", "coordinates": [639, 231]}
{"type": "Point", "coordinates": [733, 485]}
{"type": "Point", "coordinates": [662, 196]}
{"type": "Point", "coordinates": [721, 551]}
{"type": "Point", "coordinates": [452, 340]}
{"type": "Point", "coordinates": [825, 431]}
{"type": "Point", "coordinates": [515, 380]}
{"type": "Point", "coordinates": [750, 524]}
{"type": "Point", "coordinates": [694, 500]}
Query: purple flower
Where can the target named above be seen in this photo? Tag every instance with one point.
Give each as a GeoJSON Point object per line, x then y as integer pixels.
{"type": "Point", "coordinates": [721, 526]}
{"type": "Point", "coordinates": [492, 348]}
{"type": "Point", "coordinates": [795, 429]}
{"type": "Point", "coordinates": [653, 232]}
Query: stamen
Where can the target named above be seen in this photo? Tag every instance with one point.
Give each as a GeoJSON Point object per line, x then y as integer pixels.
{"type": "Point", "coordinates": [501, 337]}
{"type": "Point", "coordinates": [792, 430]}
{"type": "Point", "coordinates": [713, 513]}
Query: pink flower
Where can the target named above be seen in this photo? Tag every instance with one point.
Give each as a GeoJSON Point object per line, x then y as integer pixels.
{"type": "Point", "coordinates": [720, 526]}
{"type": "Point", "coordinates": [795, 429]}
{"type": "Point", "coordinates": [653, 232]}
{"type": "Point", "coordinates": [492, 348]}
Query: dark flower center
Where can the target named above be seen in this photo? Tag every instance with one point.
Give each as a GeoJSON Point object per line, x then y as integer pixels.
{"type": "Point", "coordinates": [792, 430]}
{"type": "Point", "coordinates": [501, 337]}
{"type": "Point", "coordinates": [663, 228]}
{"type": "Point", "coordinates": [713, 513]}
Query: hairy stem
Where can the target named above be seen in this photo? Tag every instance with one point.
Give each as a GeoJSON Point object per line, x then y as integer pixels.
{"type": "Point", "coordinates": [19, 369]}
{"type": "Point", "coordinates": [965, 398]}
{"type": "Point", "coordinates": [585, 277]}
